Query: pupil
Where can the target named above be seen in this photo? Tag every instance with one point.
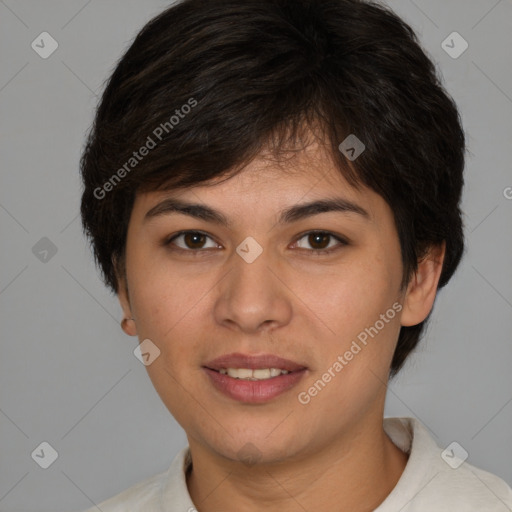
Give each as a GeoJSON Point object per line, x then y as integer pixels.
{"type": "Point", "coordinates": [191, 239]}
{"type": "Point", "coordinates": [317, 238]}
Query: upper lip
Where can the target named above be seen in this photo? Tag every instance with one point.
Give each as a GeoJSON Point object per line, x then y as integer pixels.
{"type": "Point", "coordinates": [237, 360]}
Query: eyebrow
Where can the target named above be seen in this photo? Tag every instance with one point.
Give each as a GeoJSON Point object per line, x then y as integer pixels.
{"type": "Point", "coordinates": [287, 216]}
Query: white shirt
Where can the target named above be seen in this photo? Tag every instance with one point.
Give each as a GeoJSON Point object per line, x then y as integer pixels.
{"type": "Point", "coordinates": [428, 483]}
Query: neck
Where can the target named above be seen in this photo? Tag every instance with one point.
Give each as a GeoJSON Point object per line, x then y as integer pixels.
{"type": "Point", "coordinates": [354, 473]}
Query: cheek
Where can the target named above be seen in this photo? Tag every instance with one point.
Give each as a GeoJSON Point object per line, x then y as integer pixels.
{"type": "Point", "coordinates": [356, 304]}
{"type": "Point", "coordinates": [353, 295]}
{"type": "Point", "coordinates": [173, 310]}
{"type": "Point", "coordinates": [162, 296]}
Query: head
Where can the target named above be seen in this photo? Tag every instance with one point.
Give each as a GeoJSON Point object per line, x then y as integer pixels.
{"type": "Point", "coordinates": [244, 108]}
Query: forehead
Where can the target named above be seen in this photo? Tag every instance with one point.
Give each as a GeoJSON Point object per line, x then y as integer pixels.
{"type": "Point", "coordinates": [269, 195]}
{"type": "Point", "coordinates": [296, 175]}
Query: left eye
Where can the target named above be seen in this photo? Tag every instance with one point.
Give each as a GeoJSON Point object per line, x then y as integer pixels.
{"type": "Point", "coordinates": [193, 241]}
{"type": "Point", "coordinates": [319, 240]}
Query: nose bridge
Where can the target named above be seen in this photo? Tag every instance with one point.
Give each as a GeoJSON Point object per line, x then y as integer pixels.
{"type": "Point", "coordinates": [251, 296]}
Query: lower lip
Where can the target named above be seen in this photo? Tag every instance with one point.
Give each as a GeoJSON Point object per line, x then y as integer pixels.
{"type": "Point", "coordinates": [254, 391]}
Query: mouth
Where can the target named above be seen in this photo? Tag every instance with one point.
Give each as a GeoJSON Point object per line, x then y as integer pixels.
{"type": "Point", "coordinates": [257, 374]}
{"type": "Point", "coordinates": [253, 379]}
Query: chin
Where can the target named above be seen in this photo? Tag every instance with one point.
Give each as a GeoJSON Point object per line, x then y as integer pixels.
{"type": "Point", "coordinates": [255, 446]}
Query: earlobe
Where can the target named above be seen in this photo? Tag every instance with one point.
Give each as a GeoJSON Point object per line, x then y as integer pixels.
{"type": "Point", "coordinates": [422, 288]}
{"type": "Point", "coordinates": [128, 323]}
{"type": "Point", "coordinates": [129, 327]}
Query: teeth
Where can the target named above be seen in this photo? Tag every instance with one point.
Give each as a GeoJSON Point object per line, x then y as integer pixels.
{"type": "Point", "coordinates": [248, 374]}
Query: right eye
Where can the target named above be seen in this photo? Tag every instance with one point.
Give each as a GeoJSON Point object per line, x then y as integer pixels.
{"type": "Point", "coordinates": [192, 241]}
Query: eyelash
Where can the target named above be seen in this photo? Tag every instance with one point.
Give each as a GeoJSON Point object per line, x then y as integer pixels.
{"type": "Point", "coordinates": [319, 252]}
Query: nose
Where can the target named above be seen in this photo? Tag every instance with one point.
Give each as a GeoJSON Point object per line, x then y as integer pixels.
{"type": "Point", "coordinates": [251, 297]}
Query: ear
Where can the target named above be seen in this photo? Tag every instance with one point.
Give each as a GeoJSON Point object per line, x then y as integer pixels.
{"type": "Point", "coordinates": [128, 324]}
{"type": "Point", "coordinates": [422, 287]}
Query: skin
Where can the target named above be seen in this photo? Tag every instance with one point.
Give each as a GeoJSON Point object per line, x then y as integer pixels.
{"type": "Point", "coordinates": [333, 451]}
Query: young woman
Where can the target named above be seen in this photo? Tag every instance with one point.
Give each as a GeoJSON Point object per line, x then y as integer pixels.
{"type": "Point", "coordinates": [272, 188]}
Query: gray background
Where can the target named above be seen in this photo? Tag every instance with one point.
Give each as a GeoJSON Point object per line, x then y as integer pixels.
{"type": "Point", "coordinates": [68, 374]}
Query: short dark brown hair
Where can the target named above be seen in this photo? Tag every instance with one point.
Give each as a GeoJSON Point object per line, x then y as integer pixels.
{"type": "Point", "coordinates": [208, 84]}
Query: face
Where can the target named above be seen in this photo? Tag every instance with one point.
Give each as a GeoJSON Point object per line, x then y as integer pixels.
{"type": "Point", "coordinates": [263, 278]}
